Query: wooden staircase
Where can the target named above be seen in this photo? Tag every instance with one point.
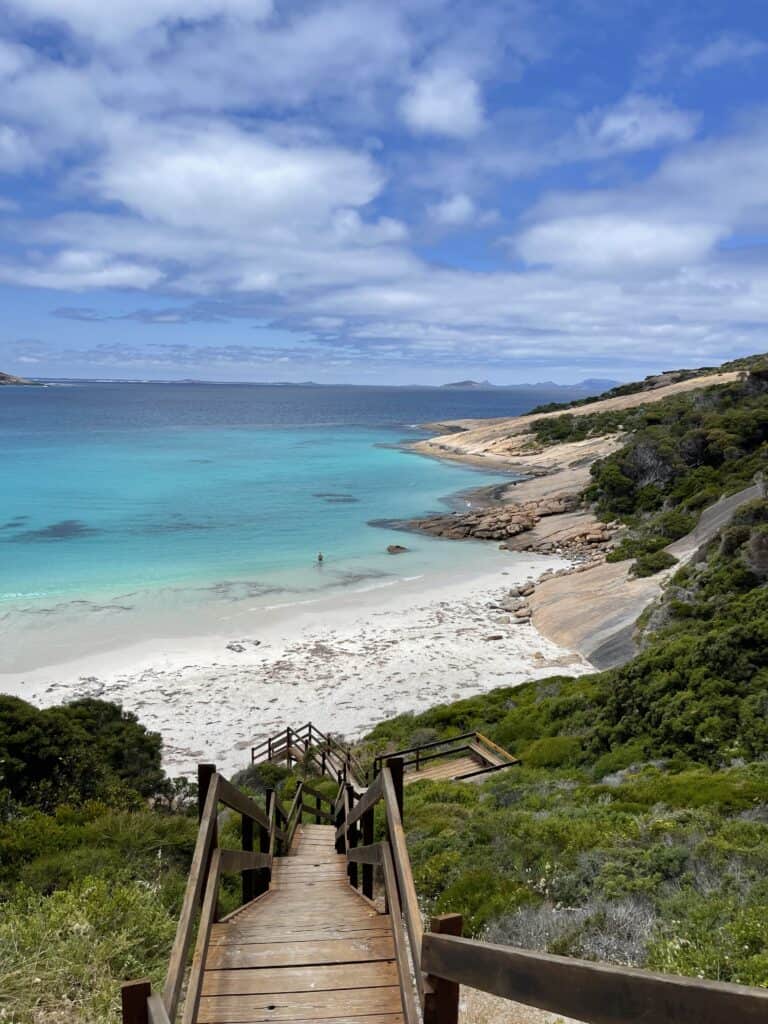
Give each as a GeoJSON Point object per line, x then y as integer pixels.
{"type": "Point", "coordinates": [307, 947]}
{"type": "Point", "coordinates": [310, 945]}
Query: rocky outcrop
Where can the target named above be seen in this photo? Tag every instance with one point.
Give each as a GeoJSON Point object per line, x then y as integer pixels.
{"type": "Point", "coordinates": [8, 378]}
{"type": "Point", "coordinates": [396, 549]}
{"type": "Point", "coordinates": [496, 522]}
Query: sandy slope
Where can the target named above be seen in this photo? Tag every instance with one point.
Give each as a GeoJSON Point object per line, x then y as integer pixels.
{"type": "Point", "coordinates": [593, 611]}
{"type": "Point", "coordinates": [500, 439]}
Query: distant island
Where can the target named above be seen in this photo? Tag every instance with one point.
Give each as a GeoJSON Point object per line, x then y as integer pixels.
{"type": "Point", "coordinates": [8, 378]}
{"type": "Point", "coordinates": [592, 385]}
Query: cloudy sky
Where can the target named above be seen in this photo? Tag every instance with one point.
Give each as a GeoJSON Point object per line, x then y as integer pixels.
{"type": "Point", "coordinates": [399, 190]}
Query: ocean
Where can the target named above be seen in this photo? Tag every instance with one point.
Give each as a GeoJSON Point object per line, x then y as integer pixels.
{"type": "Point", "coordinates": [118, 494]}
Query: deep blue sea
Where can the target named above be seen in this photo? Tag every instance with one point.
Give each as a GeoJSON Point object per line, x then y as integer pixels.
{"type": "Point", "coordinates": [108, 487]}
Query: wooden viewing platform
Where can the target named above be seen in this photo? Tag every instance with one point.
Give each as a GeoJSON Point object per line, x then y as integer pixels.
{"type": "Point", "coordinates": [469, 757]}
{"type": "Point", "coordinates": [309, 944]}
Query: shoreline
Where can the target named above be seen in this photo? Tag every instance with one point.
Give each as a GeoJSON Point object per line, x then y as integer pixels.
{"type": "Point", "coordinates": [346, 662]}
{"type": "Point", "coordinates": [592, 606]}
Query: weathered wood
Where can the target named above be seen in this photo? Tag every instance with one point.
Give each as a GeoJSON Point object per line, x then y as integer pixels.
{"type": "Point", "coordinates": [301, 979]}
{"type": "Point", "coordinates": [441, 996]}
{"type": "Point", "coordinates": [367, 823]}
{"type": "Point", "coordinates": [297, 1006]}
{"type": "Point", "coordinates": [195, 883]}
{"type": "Point", "coordinates": [308, 931]}
{"type": "Point", "coordinates": [316, 792]}
{"type": "Point", "coordinates": [598, 993]}
{"type": "Point", "coordinates": [402, 863]}
{"type": "Point", "coordinates": [244, 860]}
{"type": "Point", "coordinates": [133, 1000]}
{"type": "Point", "coordinates": [318, 812]}
{"type": "Point", "coordinates": [396, 771]}
{"type": "Point", "coordinates": [425, 746]}
{"type": "Point", "coordinates": [294, 954]}
{"type": "Point", "coordinates": [369, 855]}
{"type": "Point", "coordinates": [207, 917]}
{"type": "Point", "coordinates": [370, 797]}
{"type": "Point", "coordinates": [408, 1001]}
{"type": "Point", "coordinates": [503, 754]}
{"type": "Point", "coordinates": [248, 881]}
{"type": "Point", "coordinates": [232, 797]}
{"type": "Point", "coordinates": [205, 776]}
{"type": "Point", "coordinates": [156, 1010]}
{"type": "Point", "coordinates": [351, 839]}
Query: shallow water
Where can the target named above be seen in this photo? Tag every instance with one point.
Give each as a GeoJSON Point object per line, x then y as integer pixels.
{"type": "Point", "coordinates": [110, 488]}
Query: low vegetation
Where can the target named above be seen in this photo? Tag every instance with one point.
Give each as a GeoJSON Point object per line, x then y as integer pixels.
{"type": "Point", "coordinates": [635, 831]}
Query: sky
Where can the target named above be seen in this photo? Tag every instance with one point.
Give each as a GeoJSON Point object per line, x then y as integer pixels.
{"type": "Point", "coordinates": [409, 191]}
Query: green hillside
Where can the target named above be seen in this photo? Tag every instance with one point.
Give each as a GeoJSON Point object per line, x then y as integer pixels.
{"type": "Point", "coordinates": [635, 831]}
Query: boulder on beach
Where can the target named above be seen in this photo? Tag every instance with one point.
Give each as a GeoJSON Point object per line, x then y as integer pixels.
{"type": "Point", "coordinates": [396, 549]}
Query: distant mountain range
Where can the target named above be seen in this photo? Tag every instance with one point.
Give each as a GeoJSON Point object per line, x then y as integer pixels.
{"type": "Point", "coordinates": [590, 385]}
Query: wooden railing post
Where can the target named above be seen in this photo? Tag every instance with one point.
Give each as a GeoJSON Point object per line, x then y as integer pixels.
{"type": "Point", "coordinates": [133, 998]}
{"type": "Point", "coordinates": [367, 827]}
{"type": "Point", "coordinates": [205, 773]}
{"type": "Point", "coordinates": [248, 880]}
{"type": "Point", "coordinates": [340, 820]}
{"type": "Point", "coordinates": [441, 998]}
{"type": "Point", "coordinates": [352, 868]}
{"type": "Point", "coordinates": [395, 765]}
{"type": "Point", "coordinates": [288, 746]}
{"type": "Point", "coordinates": [262, 877]}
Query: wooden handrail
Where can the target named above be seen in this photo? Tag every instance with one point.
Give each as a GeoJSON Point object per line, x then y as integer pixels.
{"type": "Point", "coordinates": [402, 863]}
{"type": "Point", "coordinates": [371, 796]}
{"type": "Point", "coordinates": [398, 936]}
{"type": "Point", "coordinates": [370, 854]}
{"type": "Point", "coordinates": [594, 992]}
{"type": "Point", "coordinates": [243, 860]}
{"type": "Point", "coordinates": [207, 917]}
{"type": "Point", "coordinates": [195, 883]}
{"type": "Point", "coordinates": [495, 746]}
{"type": "Point", "coordinates": [425, 746]}
{"type": "Point", "coordinates": [232, 797]}
{"type": "Point", "coordinates": [316, 792]}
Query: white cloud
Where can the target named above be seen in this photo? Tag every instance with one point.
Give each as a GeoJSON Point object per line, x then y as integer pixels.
{"type": "Point", "coordinates": [458, 210]}
{"type": "Point", "coordinates": [75, 269]}
{"type": "Point", "coordinates": [444, 101]}
{"type": "Point", "coordinates": [726, 49]}
{"type": "Point", "coordinates": [16, 149]}
{"type": "Point", "coordinates": [637, 122]}
{"type": "Point", "coordinates": [112, 22]}
{"type": "Point", "coordinates": [700, 196]}
{"type": "Point", "coordinates": [453, 211]}
{"type": "Point", "coordinates": [215, 177]}
{"type": "Point", "coordinates": [615, 243]}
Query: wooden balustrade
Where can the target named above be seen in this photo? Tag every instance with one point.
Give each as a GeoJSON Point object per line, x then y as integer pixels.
{"type": "Point", "coordinates": [431, 964]}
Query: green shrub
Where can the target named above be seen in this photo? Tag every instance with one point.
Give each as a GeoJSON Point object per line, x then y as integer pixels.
{"type": "Point", "coordinates": [553, 752]}
{"type": "Point", "coordinates": [65, 955]}
{"type": "Point", "coordinates": [653, 562]}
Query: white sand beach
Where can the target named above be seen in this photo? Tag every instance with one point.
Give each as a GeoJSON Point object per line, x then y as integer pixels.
{"type": "Point", "coordinates": [346, 662]}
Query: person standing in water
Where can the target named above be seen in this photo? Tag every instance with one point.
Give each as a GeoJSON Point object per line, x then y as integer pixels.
{"type": "Point", "coordinates": [319, 557]}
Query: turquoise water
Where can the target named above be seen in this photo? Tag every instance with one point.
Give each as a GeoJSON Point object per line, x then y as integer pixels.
{"type": "Point", "coordinates": [108, 488]}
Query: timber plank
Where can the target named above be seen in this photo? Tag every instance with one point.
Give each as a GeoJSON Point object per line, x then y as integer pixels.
{"type": "Point", "coordinates": [295, 1006]}
{"type": "Point", "coordinates": [288, 954]}
{"type": "Point", "coordinates": [316, 935]}
{"type": "Point", "coordinates": [381, 973]}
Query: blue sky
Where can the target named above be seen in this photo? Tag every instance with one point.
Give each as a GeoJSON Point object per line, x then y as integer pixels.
{"type": "Point", "coordinates": [409, 191]}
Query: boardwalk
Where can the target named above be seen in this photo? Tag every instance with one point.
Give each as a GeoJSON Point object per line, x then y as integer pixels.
{"type": "Point", "coordinates": [307, 947]}
{"type": "Point", "coordinates": [311, 949]}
